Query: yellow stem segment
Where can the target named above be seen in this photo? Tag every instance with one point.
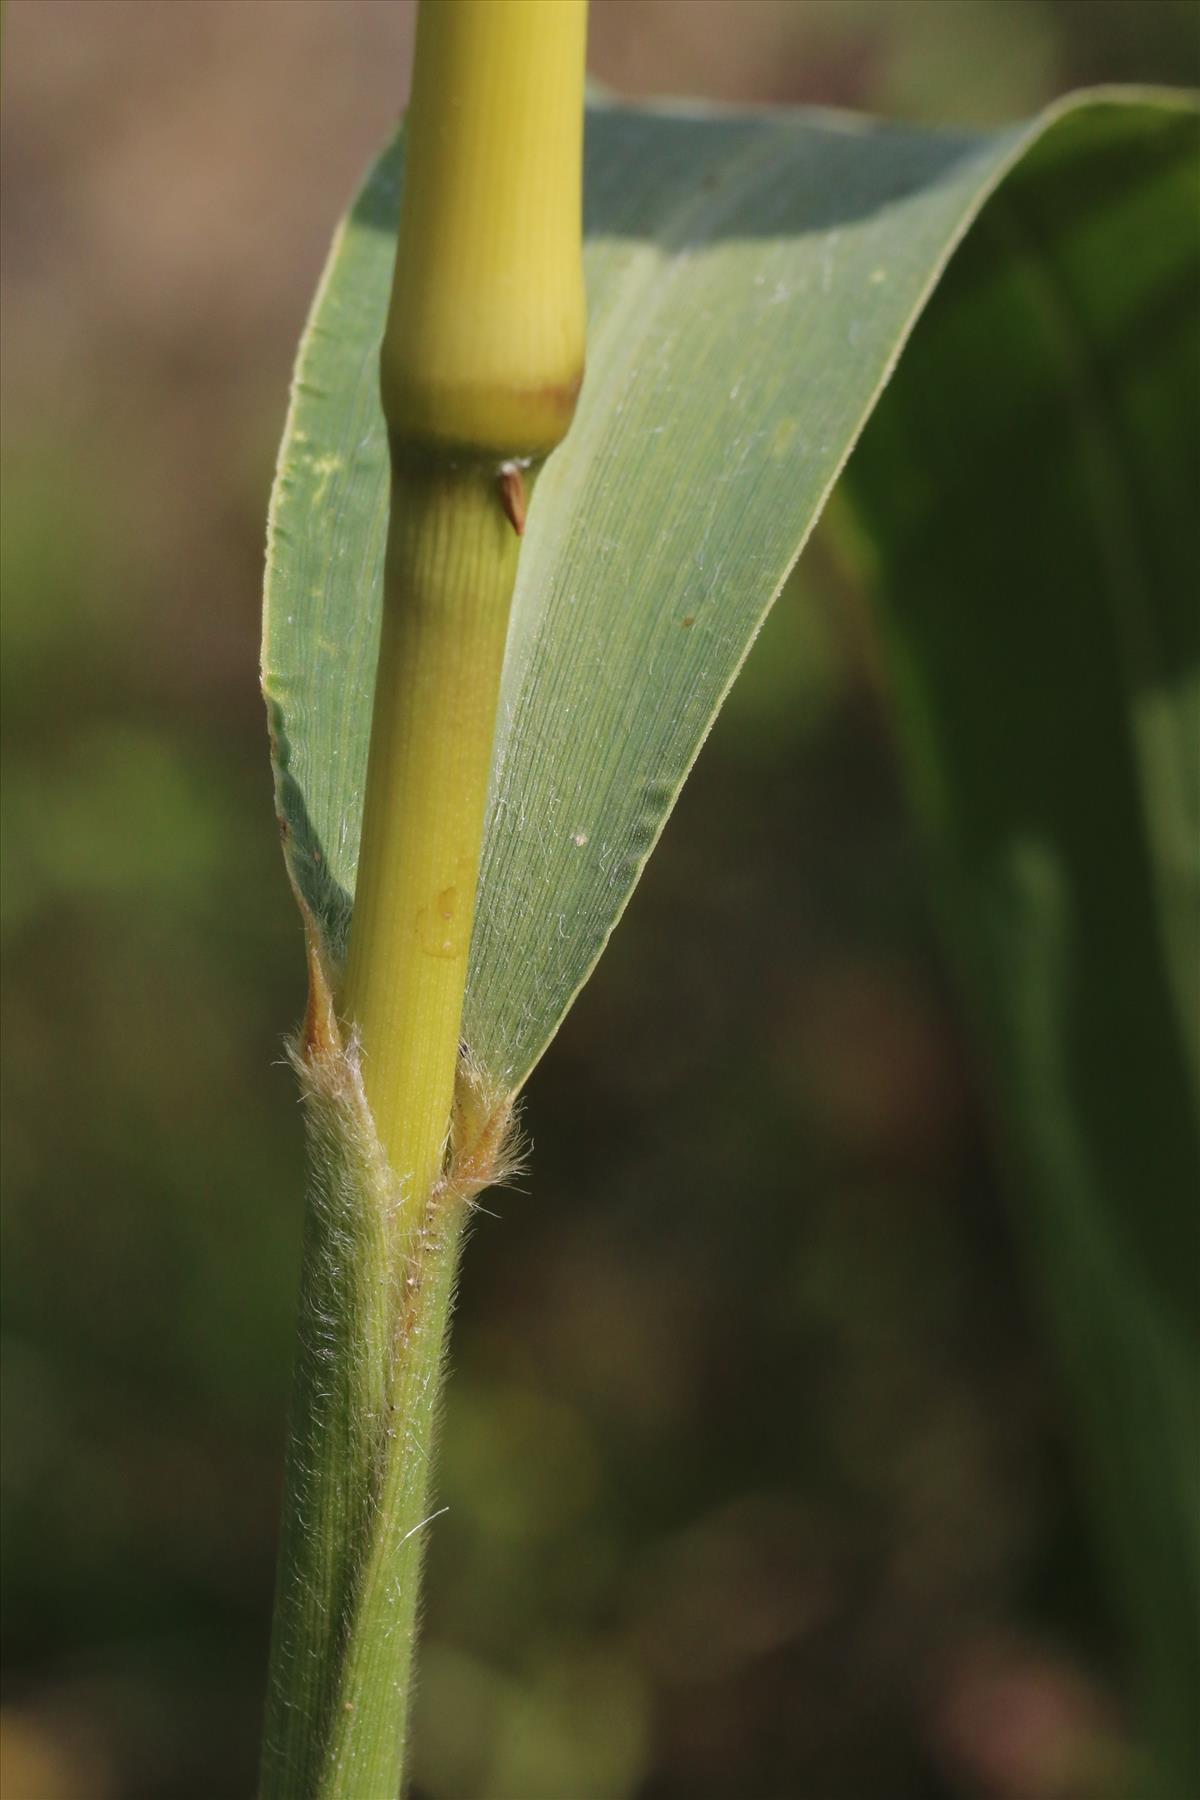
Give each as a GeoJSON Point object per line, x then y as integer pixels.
{"type": "Point", "coordinates": [451, 562]}
{"type": "Point", "coordinates": [481, 363]}
{"type": "Point", "coordinates": [484, 341]}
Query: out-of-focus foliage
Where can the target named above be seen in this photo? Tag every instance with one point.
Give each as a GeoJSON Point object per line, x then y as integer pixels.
{"type": "Point", "coordinates": [1045, 655]}
{"type": "Point", "coordinates": [895, 1591]}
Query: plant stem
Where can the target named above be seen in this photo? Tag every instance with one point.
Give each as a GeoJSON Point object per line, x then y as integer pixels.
{"type": "Point", "coordinates": [480, 366]}
{"type": "Point", "coordinates": [452, 558]}
{"type": "Point", "coordinates": [484, 341]}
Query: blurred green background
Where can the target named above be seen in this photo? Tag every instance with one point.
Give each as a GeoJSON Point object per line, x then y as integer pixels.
{"type": "Point", "coordinates": [758, 1473]}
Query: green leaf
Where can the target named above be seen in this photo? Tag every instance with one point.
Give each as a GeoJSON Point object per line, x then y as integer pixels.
{"type": "Point", "coordinates": [1026, 485]}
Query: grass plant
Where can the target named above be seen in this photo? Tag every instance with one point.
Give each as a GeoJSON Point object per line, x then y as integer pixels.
{"type": "Point", "coordinates": [484, 699]}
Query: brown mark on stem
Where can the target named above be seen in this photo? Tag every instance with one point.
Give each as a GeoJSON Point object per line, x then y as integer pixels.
{"type": "Point", "coordinates": [511, 484]}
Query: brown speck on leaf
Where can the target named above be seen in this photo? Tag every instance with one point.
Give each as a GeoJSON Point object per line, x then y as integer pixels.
{"type": "Point", "coordinates": [688, 621]}
{"type": "Point", "coordinates": [511, 484]}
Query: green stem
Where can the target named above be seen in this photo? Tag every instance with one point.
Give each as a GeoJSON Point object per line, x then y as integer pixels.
{"type": "Point", "coordinates": [358, 1477]}
{"type": "Point", "coordinates": [368, 1741]}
